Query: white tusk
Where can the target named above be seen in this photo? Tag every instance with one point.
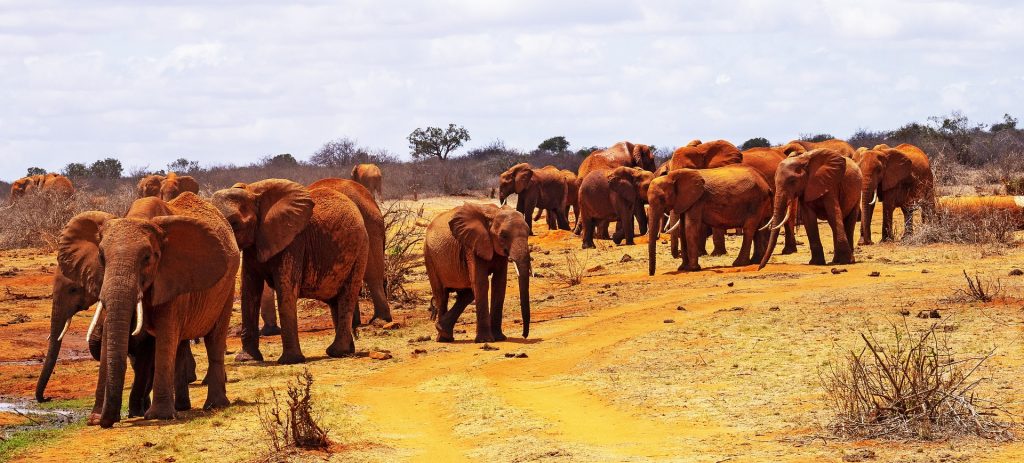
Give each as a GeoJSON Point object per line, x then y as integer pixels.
{"type": "Point", "coordinates": [138, 319]}
{"type": "Point", "coordinates": [765, 226]}
{"type": "Point", "coordinates": [875, 198]}
{"type": "Point", "coordinates": [784, 220]}
{"type": "Point", "coordinates": [95, 318]}
{"type": "Point", "coordinates": [515, 265]}
{"type": "Point", "coordinates": [675, 226]}
{"type": "Point", "coordinates": [67, 325]}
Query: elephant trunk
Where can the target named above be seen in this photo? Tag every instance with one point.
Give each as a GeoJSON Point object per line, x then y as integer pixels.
{"type": "Point", "coordinates": [58, 326]}
{"type": "Point", "coordinates": [867, 206]}
{"type": "Point", "coordinates": [120, 301]}
{"type": "Point", "coordinates": [520, 256]}
{"type": "Point", "coordinates": [779, 216]}
{"type": "Point", "coordinates": [653, 229]}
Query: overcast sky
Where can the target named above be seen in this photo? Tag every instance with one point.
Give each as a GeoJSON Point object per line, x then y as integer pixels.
{"type": "Point", "coordinates": [231, 81]}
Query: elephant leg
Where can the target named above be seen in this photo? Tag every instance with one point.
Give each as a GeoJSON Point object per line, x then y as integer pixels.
{"type": "Point", "coordinates": [251, 292]}
{"type": "Point", "coordinates": [908, 220]}
{"type": "Point", "coordinates": [749, 229]}
{"type": "Point", "coordinates": [529, 204]}
{"type": "Point", "coordinates": [483, 313]}
{"type": "Point", "coordinates": [552, 218]}
{"type": "Point", "coordinates": [163, 369]}
{"type": "Point", "coordinates": [588, 233]}
{"type": "Point", "coordinates": [842, 252]}
{"type": "Point", "coordinates": [813, 238]}
{"type": "Point", "coordinates": [790, 246]}
{"type": "Point", "coordinates": [620, 231]}
{"type": "Point", "coordinates": [694, 228]}
{"type": "Point", "coordinates": [142, 384]}
{"type": "Point", "coordinates": [887, 211]}
{"type": "Point", "coordinates": [601, 232]}
{"type": "Point", "coordinates": [674, 236]}
{"type": "Point", "coordinates": [268, 312]}
{"type": "Point", "coordinates": [287, 297]}
{"type": "Point", "coordinates": [216, 375]}
{"type": "Point", "coordinates": [381, 309]}
{"type": "Point", "coordinates": [718, 239]}
{"type": "Point", "coordinates": [848, 224]}
{"type": "Point", "coordinates": [641, 218]}
{"type": "Point", "coordinates": [347, 303]}
{"type": "Point", "coordinates": [101, 388]}
{"type": "Point", "coordinates": [562, 217]}
{"type": "Point", "coordinates": [182, 401]}
{"type": "Point", "coordinates": [441, 308]}
{"type": "Point", "coordinates": [463, 298]}
{"type": "Point", "coordinates": [626, 216]}
{"type": "Point", "coordinates": [498, 281]}
{"type": "Point", "coordinates": [761, 238]}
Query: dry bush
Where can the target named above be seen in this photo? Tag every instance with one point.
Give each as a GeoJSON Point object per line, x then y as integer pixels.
{"type": "Point", "coordinates": [912, 386]}
{"type": "Point", "coordinates": [1014, 185]}
{"type": "Point", "coordinates": [575, 267]}
{"type": "Point", "coordinates": [36, 220]}
{"type": "Point", "coordinates": [402, 234]}
{"type": "Point", "coordinates": [295, 423]}
{"type": "Point", "coordinates": [979, 290]}
{"type": "Point", "coordinates": [973, 226]}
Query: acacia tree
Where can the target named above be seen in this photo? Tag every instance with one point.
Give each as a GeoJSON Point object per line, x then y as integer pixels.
{"type": "Point", "coordinates": [756, 142]}
{"type": "Point", "coordinates": [36, 171]}
{"type": "Point", "coordinates": [437, 142]}
{"type": "Point", "coordinates": [554, 144]}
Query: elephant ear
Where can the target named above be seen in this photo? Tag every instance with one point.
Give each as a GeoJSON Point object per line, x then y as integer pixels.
{"type": "Point", "coordinates": [723, 154]}
{"type": "Point", "coordinates": [897, 168]}
{"type": "Point", "coordinates": [187, 183]}
{"type": "Point", "coordinates": [470, 224]}
{"type": "Point", "coordinates": [186, 242]}
{"type": "Point", "coordinates": [688, 185]}
{"type": "Point", "coordinates": [642, 157]}
{"type": "Point", "coordinates": [78, 250]}
{"type": "Point", "coordinates": [523, 178]}
{"type": "Point", "coordinates": [355, 172]}
{"type": "Point", "coordinates": [825, 168]}
{"type": "Point", "coordinates": [283, 208]}
{"type": "Point", "coordinates": [621, 181]}
{"type": "Point", "coordinates": [793, 148]}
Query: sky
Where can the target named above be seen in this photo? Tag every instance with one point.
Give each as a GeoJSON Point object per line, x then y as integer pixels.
{"type": "Point", "coordinates": [225, 81]}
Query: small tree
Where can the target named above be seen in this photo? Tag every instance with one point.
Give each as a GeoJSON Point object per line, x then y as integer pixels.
{"type": "Point", "coordinates": [279, 161]}
{"type": "Point", "coordinates": [75, 170]}
{"type": "Point", "coordinates": [36, 171]}
{"type": "Point", "coordinates": [584, 152]}
{"type": "Point", "coordinates": [1009, 123]}
{"type": "Point", "coordinates": [184, 166]}
{"type": "Point", "coordinates": [108, 168]}
{"type": "Point", "coordinates": [756, 142]}
{"type": "Point", "coordinates": [816, 137]}
{"type": "Point", "coordinates": [554, 144]}
{"type": "Point", "coordinates": [437, 142]}
{"type": "Point", "coordinates": [338, 153]}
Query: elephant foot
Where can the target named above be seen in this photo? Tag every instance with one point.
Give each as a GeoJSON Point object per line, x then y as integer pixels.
{"type": "Point", "coordinates": [817, 261]}
{"type": "Point", "coordinates": [789, 250]}
{"type": "Point", "coordinates": [383, 316]}
{"type": "Point", "coordinates": [94, 419]}
{"type": "Point", "coordinates": [137, 409]}
{"type": "Point", "coordinates": [589, 246]}
{"type": "Point", "coordinates": [499, 336]}
{"type": "Point", "coordinates": [717, 252]}
{"type": "Point", "coordinates": [270, 330]}
{"type": "Point", "coordinates": [340, 349]}
{"type": "Point", "coordinates": [443, 335]}
{"type": "Point", "coordinates": [160, 413]}
{"type": "Point", "coordinates": [740, 262]}
{"type": "Point", "coordinates": [863, 242]}
{"type": "Point", "coordinates": [483, 338]}
{"type": "Point", "coordinates": [106, 422]}
{"type": "Point", "coordinates": [291, 358]}
{"type": "Point", "coordinates": [688, 268]}
{"type": "Point", "coordinates": [245, 356]}
{"type": "Point", "coordinates": [220, 401]}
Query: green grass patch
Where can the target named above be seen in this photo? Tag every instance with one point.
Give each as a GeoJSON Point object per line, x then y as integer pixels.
{"type": "Point", "coordinates": [14, 444]}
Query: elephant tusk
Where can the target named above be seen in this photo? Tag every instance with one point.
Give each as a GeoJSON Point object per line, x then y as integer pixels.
{"type": "Point", "coordinates": [138, 319]}
{"type": "Point", "coordinates": [784, 220]}
{"type": "Point", "coordinates": [95, 319]}
{"type": "Point", "coordinates": [67, 325]}
{"type": "Point", "coordinates": [769, 224]}
{"type": "Point", "coordinates": [874, 199]}
{"type": "Point", "coordinates": [674, 226]}
{"type": "Point", "coordinates": [515, 265]}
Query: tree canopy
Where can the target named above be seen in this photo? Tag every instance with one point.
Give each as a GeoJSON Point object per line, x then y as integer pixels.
{"type": "Point", "coordinates": [437, 142]}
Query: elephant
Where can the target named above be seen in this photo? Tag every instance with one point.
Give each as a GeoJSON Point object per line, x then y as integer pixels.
{"type": "Point", "coordinates": [766, 161]}
{"type": "Point", "coordinates": [55, 184]}
{"type": "Point", "coordinates": [369, 176]}
{"type": "Point", "coordinates": [543, 188]}
{"type": "Point", "coordinates": [166, 187]}
{"type": "Point", "coordinates": [723, 197]}
{"type": "Point", "coordinates": [572, 194]}
{"type": "Point", "coordinates": [704, 155]}
{"type": "Point", "coordinates": [374, 221]}
{"type": "Point", "coordinates": [826, 184]}
{"type": "Point", "coordinates": [802, 146]}
{"type": "Point", "coordinates": [306, 243]}
{"type": "Point", "coordinates": [144, 269]}
{"type": "Point", "coordinates": [621, 154]}
{"type": "Point", "coordinates": [899, 177]}
{"type": "Point", "coordinates": [612, 195]}
{"type": "Point", "coordinates": [462, 248]}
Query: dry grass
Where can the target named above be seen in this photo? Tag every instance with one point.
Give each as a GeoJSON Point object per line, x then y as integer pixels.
{"type": "Point", "coordinates": [992, 226]}
{"type": "Point", "coordinates": [296, 423]}
{"type": "Point", "coordinates": [912, 386]}
{"type": "Point", "coordinates": [402, 237]}
{"type": "Point", "coordinates": [36, 220]}
{"type": "Point", "coordinates": [575, 267]}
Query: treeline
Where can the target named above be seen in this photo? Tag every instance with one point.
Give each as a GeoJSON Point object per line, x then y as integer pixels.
{"type": "Point", "coordinates": [953, 142]}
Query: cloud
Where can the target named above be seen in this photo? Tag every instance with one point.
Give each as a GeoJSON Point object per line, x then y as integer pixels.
{"type": "Point", "coordinates": [228, 81]}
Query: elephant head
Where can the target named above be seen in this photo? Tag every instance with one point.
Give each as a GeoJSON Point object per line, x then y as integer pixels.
{"type": "Point", "coordinates": [149, 186]}
{"type": "Point", "coordinates": [630, 183]}
{"type": "Point", "coordinates": [69, 298]}
{"type": "Point", "coordinates": [497, 233]}
{"type": "Point", "coordinates": [642, 156]}
{"type": "Point", "coordinates": [174, 185]}
{"type": "Point", "coordinates": [515, 180]}
{"type": "Point", "coordinates": [265, 216]}
{"type": "Point", "coordinates": [133, 263]}
{"type": "Point", "coordinates": [883, 168]}
{"type": "Point", "coordinates": [802, 177]}
{"type": "Point", "coordinates": [795, 147]}
{"type": "Point", "coordinates": [677, 191]}
{"type": "Point", "coordinates": [708, 155]}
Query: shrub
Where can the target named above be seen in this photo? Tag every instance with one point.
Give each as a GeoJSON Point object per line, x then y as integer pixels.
{"type": "Point", "coordinates": [575, 267]}
{"type": "Point", "coordinates": [403, 233]}
{"type": "Point", "coordinates": [966, 224]}
{"type": "Point", "coordinates": [298, 425]}
{"type": "Point", "coordinates": [816, 137]}
{"type": "Point", "coordinates": [979, 290]}
{"type": "Point", "coordinates": [758, 142]}
{"type": "Point", "coordinates": [1014, 186]}
{"type": "Point", "coordinates": [36, 220]}
{"type": "Point", "coordinates": [912, 386]}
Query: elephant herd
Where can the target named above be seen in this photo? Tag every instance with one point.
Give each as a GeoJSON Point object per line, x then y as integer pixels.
{"type": "Point", "coordinates": [165, 273]}
{"type": "Point", "coordinates": [706, 188]}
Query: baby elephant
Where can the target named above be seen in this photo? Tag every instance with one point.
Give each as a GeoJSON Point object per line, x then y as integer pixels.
{"type": "Point", "coordinates": [610, 195]}
{"type": "Point", "coordinates": [465, 246]}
